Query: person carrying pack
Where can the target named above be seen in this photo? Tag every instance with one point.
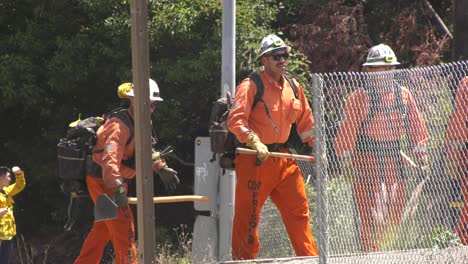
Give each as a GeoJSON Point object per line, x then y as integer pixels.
{"type": "Point", "coordinates": [225, 143]}
{"type": "Point", "coordinates": [368, 146]}
{"type": "Point", "coordinates": [74, 155]}
{"type": "Point", "coordinates": [114, 146]}
{"type": "Point", "coordinates": [265, 128]}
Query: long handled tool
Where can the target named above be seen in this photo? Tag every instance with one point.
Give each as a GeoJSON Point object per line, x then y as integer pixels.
{"type": "Point", "coordinates": [106, 208]}
{"type": "Point", "coordinates": [413, 202]}
{"type": "Point", "coordinates": [174, 199]}
{"type": "Point", "coordinates": [279, 154]}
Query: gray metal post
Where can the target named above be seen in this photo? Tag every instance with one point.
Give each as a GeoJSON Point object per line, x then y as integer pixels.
{"type": "Point", "coordinates": [320, 163]}
{"type": "Point", "coordinates": [228, 78]}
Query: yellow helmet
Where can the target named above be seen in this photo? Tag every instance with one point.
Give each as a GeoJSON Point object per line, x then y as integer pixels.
{"type": "Point", "coordinates": [125, 90]}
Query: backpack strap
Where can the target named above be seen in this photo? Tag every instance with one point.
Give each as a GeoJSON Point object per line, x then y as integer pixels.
{"type": "Point", "coordinates": [255, 77]}
{"type": "Point", "coordinates": [374, 99]}
{"type": "Point", "coordinates": [258, 97]}
{"type": "Point", "coordinates": [124, 116]}
{"type": "Point", "coordinates": [402, 107]}
{"type": "Point", "coordinates": [293, 85]}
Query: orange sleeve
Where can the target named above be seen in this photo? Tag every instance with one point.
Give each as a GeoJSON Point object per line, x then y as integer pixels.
{"type": "Point", "coordinates": [418, 134]}
{"type": "Point", "coordinates": [355, 111]}
{"type": "Point", "coordinates": [115, 135]}
{"type": "Point", "coordinates": [305, 120]}
{"type": "Point", "coordinates": [457, 132]}
{"type": "Point", "coordinates": [239, 113]}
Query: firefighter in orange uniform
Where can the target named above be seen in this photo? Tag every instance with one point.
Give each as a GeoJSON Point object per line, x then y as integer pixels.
{"type": "Point", "coordinates": [457, 156]}
{"type": "Point", "coordinates": [265, 129]}
{"type": "Point", "coordinates": [369, 148]}
{"type": "Point", "coordinates": [113, 154]}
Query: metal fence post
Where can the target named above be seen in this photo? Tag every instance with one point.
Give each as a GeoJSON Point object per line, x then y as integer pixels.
{"type": "Point", "coordinates": [320, 162]}
{"type": "Point", "coordinates": [227, 180]}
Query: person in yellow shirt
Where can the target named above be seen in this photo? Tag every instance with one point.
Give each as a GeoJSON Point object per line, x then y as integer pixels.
{"type": "Point", "coordinates": [7, 219]}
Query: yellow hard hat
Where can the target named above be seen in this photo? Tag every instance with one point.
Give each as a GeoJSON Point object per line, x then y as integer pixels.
{"type": "Point", "coordinates": [153, 90]}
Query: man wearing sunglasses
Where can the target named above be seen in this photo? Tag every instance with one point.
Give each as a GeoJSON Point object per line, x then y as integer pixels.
{"type": "Point", "coordinates": [266, 128]}
{"type": "Point", "coordinates": [114, 154]}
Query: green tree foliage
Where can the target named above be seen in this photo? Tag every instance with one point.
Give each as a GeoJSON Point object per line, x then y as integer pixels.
{"type": "Point", "coordinates": [59, 58]}
{"type": "Point", "coordinates": [62, 58]}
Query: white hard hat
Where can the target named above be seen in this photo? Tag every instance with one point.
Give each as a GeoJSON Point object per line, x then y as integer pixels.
{"type": "Point", "coordinates": [153, 91]}
{"type": "Point", "coordinates": [381, 55]}
{"type": "Point", "coordinates": [271, 43]}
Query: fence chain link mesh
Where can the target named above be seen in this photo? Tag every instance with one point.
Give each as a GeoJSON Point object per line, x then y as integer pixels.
{"type": "Point", "coordinates": [379, 204]}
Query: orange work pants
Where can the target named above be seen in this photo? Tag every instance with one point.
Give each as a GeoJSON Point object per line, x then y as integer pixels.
{"type": "Point", "coordinates": [281, 179]}
{"type": "Point", "coordinates": [462, 225]}
{"type": "Point", "coordinates": [380, 193]}
{"type": "Point", "coordinates": [120, 231]}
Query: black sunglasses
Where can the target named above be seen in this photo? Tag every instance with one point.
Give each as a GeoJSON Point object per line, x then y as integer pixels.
{"type": "Point", "coordinates": [278, 57]}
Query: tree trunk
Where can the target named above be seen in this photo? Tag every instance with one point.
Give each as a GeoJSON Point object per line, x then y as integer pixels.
{"type": "Point", "coordinates": [460, 41]}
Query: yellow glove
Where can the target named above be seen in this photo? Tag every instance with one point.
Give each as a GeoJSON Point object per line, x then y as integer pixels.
{"type": "Point", "coordinates": [423, 163]}
{"type": "Point", "coordinates": [347, 169]}
{"type": "Point", "coordinates": [254, 142]}
{"type": "Point", "coordinates": [156, 155]}
{"type": "Point", "coordinates": [123, 89]}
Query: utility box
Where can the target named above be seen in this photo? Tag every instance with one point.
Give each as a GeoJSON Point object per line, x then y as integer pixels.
{"type": "Point", "coordinates": [206, 175]}
{"type": "Point", "coordinates": [205, 231]}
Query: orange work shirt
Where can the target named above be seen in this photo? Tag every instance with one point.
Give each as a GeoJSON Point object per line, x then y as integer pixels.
{"type": "Point", "coordinates": [384, 126]}
{"type": "Point", "coordinates": [112, 139]}
{"type": "Point", "coordinates": [457, 131]}
{"type": "Point", "coordinates": [285, 109]}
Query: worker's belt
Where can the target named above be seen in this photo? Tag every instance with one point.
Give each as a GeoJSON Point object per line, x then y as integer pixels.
{"type": "Point", "coordinates": [94, 170]}
{"type": "Point", "coordinates": [275, 147]}
{"type": "Point", "coordinates": [386, 147]}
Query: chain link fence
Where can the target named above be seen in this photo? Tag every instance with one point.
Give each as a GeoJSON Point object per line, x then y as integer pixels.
{"type": "Point", "coordinates": [372, 197]}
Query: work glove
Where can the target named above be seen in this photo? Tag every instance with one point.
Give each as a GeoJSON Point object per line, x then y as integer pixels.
{"type": "Point", "coordinates": [455, 200]}
{"type": "Point", "coordinates": [120, 196]}
{"type": "Point", "coordinates": [123, 89]}
{"type": "Point", "coordinates": [155, 155]}
{"type": "Point", "coordinates": [423, 163]}
{"type": "Point", "coordinates": [254, 142]}
{"type": "Point", "coordinates": [347, 169]}
{"type": "Point", "coordinates": [158, 155]}
{"type": "Point", "coordinates": [451, 169]}
{"type": "Point", "coordinates": [169, 178]}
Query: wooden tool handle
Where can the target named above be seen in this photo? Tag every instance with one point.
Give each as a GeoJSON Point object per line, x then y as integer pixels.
{"type": "Point", "coordinates": [174, 199]}
{"type": "Point", "coordinates": [278, 154]}
{"type": "Point", "coordinates": [409, 161]}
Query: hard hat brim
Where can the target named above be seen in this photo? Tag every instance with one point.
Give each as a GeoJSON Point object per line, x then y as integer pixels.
{"type": "Point", "coordinates": [152, 98]}
{"type": "Point", "coordinates": [159, 99]}
{"type": "Point", "coordinates": [379, 63]}
{"type": "Point", "coordinates": [288, 48]}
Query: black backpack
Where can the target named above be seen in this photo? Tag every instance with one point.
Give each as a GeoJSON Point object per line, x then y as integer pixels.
{"type": "Point", "coordinates": [75, 149]}
{"type": "Point", "coordinates": [221, 139]}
